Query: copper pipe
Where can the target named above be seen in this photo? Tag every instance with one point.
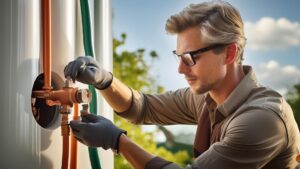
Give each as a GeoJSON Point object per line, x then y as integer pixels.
{"type": "Point", "coordinates": [65, 153]}
{"type": "Point", "coordinates": [65, 134]}
{"type": "Point", "coordinates": [73, 160]}
{"type": "Point", "coordinates": [46, 22]}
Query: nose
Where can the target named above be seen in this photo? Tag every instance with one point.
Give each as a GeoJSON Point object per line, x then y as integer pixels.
{"type": "Point", "coordinates": [183, 68]}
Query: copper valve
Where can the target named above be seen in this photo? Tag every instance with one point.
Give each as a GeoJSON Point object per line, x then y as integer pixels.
{"type": "Point", "coordinates": [65, 96]}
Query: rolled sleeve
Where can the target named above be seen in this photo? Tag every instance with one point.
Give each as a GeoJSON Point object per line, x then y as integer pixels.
{"type": "Point", "coordinates": [135, 109]}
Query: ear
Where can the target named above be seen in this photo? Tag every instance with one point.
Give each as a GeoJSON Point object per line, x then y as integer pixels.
{"type": "Point", "coordinates": [231, 53]}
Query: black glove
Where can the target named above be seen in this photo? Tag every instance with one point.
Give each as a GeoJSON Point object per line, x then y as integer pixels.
{"type": "Point", "coordinates": [97, 131]}
{"type": "Point", "coordinates": [88, 71]}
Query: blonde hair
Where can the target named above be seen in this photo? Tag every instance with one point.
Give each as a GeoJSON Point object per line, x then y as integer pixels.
{"type": "Point", "coordinates": [219, 23]}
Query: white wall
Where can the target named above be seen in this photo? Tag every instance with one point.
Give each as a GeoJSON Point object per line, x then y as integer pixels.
{"type": "Point", "coordinates": [24, 144]}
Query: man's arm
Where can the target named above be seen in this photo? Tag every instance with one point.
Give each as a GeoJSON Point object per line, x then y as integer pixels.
{"type": "Point", "coordinates": [169, 108]}
{"type": "Point", "coordinates": [141, 159]}
{"type": "Point", "coordinates": [91, 129]}
{"type": "Point", "coordinates": [134, 154]}
{"type": "Point", "coordinates": [118, 96]}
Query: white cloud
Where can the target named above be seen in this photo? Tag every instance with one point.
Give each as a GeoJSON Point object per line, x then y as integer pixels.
{"type": "Point", "coordinates": [276, 76]}
{"type": "Point", "coordinates": [271, 65]}
{"type": "Point", "coordinates": [268, 33]}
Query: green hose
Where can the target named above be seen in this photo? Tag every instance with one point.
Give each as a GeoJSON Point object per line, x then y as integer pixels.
{"type": "Point", "coordinates": [88, 47]}
{"type": "Point", "coordinates": [86, 27]}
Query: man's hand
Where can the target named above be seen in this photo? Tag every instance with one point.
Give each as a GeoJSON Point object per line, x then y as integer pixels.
{"type": "Point", "coordinates": [96, 131]}
{"type": "Point", "coordinates": [88, 71]}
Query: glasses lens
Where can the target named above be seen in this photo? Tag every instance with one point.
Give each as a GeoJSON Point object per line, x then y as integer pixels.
{"type": "Point", "coordinates": [187, 59]}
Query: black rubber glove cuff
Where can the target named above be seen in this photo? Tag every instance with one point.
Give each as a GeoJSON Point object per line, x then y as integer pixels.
{"type": "Point", "coordinates": [108, 80]}
{"type": "Point", "coordinates": [117, 146]}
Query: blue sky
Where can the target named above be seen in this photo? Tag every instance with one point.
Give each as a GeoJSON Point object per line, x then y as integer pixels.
{"type": "Point", "coordinates": [272, 28]}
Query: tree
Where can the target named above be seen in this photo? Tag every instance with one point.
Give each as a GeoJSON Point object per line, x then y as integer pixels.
{"type": "Point", "coordinates": [132, 69]}
{"type": "Point", "coordinates": [293, 98]}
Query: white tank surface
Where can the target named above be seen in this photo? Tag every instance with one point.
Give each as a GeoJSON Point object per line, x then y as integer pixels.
{"type": "Point", "coordinates": [20, 50]}
{"type": "Point", "coordinates": [23, 143]}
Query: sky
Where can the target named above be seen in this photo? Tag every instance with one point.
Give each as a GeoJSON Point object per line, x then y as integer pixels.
{"type": "Point", "coordinates": [272, 29]}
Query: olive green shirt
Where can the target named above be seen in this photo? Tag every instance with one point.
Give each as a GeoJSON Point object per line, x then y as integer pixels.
{"type": "Point", "coordinates": [259, 129]}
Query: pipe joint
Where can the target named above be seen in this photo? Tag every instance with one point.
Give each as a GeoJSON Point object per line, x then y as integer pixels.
{"type": "Point", "coordinates": [66, 96]}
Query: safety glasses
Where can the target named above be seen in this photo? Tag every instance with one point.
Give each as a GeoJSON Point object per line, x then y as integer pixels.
{"type": "Point", "coordinates": [188, 58]}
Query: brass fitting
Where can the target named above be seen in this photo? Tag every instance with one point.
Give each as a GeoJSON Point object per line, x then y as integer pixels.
{"type": "Point", "coordinates": [65, 96]}
{"type": "Point", "coordinates": [85, 110]}
{"type": "Point", "coordinates": [65, 130]}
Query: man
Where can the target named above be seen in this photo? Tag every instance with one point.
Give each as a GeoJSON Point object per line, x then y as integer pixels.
{"type": "Point", "coordinates": [241, 124]}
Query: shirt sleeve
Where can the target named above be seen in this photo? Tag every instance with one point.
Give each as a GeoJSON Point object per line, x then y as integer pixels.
{"type": "Point", "coordinates": [159, 163]}
{"type": "Point", "coordinates": [173, 107]}
{"type": "Point", "coordinates": [252, 139]}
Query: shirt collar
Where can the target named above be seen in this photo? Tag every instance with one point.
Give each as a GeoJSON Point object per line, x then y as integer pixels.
{"type": "Point", "coordinates": [239, 94]}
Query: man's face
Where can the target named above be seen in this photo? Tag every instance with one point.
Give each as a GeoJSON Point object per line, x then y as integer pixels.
{"type": "Point", "coordinates": [209, 69]}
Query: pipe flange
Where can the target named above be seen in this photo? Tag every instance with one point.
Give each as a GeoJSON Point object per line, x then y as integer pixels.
{"type": "Point", "coordinates": [46, 116]}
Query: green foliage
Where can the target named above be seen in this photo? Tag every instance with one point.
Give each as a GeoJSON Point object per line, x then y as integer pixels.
{"type": "Point", "coordinates": [131, 68]}
{"type": "Point", "coordinates": [293, 98]}
{"type": "Point", "coordinates": [179, 147]}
